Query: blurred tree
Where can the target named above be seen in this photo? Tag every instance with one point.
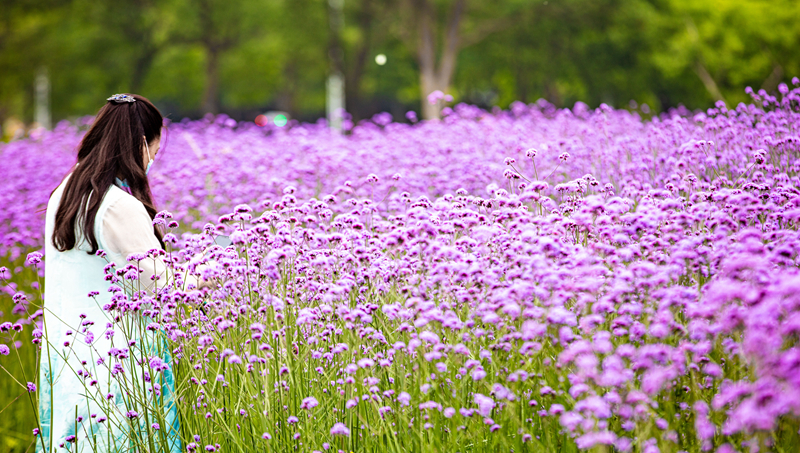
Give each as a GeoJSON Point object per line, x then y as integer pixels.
{"type": "Point", "coordinates": [729, 44]}
{"type": "Point", "coordinates": [244, 56]}
{"type": "Point", "coordinates": [279, 63]}
{"type": "Point", "coordinates": [435, 73]}
{"type": "Point", "coordinates": [358, 41]}
{"type": "Point", "coordinates": [217, 26]}
{"type": "Point", "coordinates": [567, 51]}
{"type": "Point", "coordinates": [302, 31]}
{"type": "Point", "coordinates": [141, 28]}
{"type": "Point", "coordinates": [440, 29]}
{"type": "Point", "coordinates": [23, 23]}
{"type": "Point", "coordinates": [370, 28]}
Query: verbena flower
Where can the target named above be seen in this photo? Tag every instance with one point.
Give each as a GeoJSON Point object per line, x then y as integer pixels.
{"type": "Point", "coordinates": [340, 429]}
{"type": "Point", "coordinates": [626, 276]}
{"type": "Point", "coordinates": [309, 403]}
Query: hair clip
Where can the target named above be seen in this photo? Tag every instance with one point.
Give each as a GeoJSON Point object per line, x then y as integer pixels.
{"type": "Point", "coordinates": [121, 98]}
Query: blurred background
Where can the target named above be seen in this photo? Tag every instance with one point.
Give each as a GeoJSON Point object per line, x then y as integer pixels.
{"type": "Point", "coordinates": [60, 59]}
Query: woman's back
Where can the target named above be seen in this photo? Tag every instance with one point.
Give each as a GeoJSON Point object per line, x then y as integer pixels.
{"type": "Point", "coordinates": [75, 326]}
{"type": "Point", "coordinates": [100, 368]}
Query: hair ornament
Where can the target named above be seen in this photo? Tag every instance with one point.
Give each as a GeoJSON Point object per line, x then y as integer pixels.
{"type": "Point", "coordinates": [122, 98]}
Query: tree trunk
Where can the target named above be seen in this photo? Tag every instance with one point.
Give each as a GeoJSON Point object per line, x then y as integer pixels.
{"type": "Point", "coordinates": [708, 82]}
{"type": "Point", "coordinates": [285, 99]}
{"type": "Point", "coordinates": [447, 66]}
{"type": "Point", "coordinates": [214, 45]}
{"type": "Point", "coordinates": [426, 54]}
{"type": "Point", "coordinates": [551, 93]}
{"type": "Point", "coordinates": [434, 77]}
{"type": "Point", "coordinates": [522, 83]}
{"type": "Point", "coordinates": [210, 102]}
{"type": "Point", "coordinates": [771, 83]}
{"type": "Point", "coordinates": [334, 90]}
{"type": "Point", "coordinates": [353, 76]}
{"type": "Point", "coordinates": [141, 68]}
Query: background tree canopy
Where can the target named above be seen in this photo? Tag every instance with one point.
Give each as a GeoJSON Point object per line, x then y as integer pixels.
{"type": "Point", "coordinates": [244, 57]}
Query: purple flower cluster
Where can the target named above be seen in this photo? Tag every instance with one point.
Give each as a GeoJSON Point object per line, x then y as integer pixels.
{"type": "Point", "coordinates": [534, 274]}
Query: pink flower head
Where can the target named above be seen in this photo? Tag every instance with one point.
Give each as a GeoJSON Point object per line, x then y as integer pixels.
{"type": "Point", "coordinates": [309, 403]}
{"type": "Point", "coordinates": [484, 403]}
{"type": "Point", "coordinates": [340, 429]}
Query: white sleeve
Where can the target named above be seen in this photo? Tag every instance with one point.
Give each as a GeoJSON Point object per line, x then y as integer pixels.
{"type": "Point", "coordinates": [128, 229]}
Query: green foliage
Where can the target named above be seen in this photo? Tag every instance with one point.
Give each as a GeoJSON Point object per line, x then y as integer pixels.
{"type": "Point", "coordinates": [176, 78]}
{"type": "Point", "coordinates": [16, 404]}
{"type": "Point", "coordinates": [253, 55]}
{"type": "Point", "coordinates": [739, 42]}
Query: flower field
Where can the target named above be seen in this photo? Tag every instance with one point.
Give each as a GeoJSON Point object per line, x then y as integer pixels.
{"type": "Point", "coordinates": [526, 280]}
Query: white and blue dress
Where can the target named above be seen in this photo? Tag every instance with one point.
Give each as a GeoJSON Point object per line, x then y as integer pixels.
{"type": "Point", "coordinates": [90, 400]}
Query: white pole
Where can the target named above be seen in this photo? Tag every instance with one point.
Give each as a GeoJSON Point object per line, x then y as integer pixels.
{"type": "Point", "coordinates": [334, 104]}
{"type": "Point", "coordinates": [42, 98]}
{"type": "Point", "coordinates": [335, 100]}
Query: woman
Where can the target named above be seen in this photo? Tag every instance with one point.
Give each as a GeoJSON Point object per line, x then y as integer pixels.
{"type": "Point", "coordinates": [93, 396]}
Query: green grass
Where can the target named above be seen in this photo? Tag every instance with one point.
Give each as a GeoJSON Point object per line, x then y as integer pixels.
{"type": "Point", "coordinates": [16, 412]}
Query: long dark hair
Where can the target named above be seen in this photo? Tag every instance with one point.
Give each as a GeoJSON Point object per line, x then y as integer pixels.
{"type": "Point", "coordinates": [111, 148]}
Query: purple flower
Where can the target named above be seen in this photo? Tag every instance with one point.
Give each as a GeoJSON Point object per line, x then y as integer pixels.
{"type": "Point", "coordinates": [157, 364]}
{"type": "Point", "coordinates": [591, 439]}
{"type": "Point", "coordinates": [404, 398]}
{"type": "Point", "coordinates": [508, 268]}
{"type": "Point", "coordinates": [435, 96]}
{"type": "Point", "coordinates": [560, 315]}
{"type": "Point", "coordinates": [365, 363]}
{"type": "Point", "coordinates": [429, 336]}
{"type": "Point", "coordinates": [478, 374]}
{"type": "Point", "coordinates": [430, 405]}
{"type": "Point", "coordinates": [34, 258]}
{"type": "Point", "coordinates": [339, 429]}
{"type": "Point", "coordinates": [484, 403]}
{"type": "Point", "coordinates": [309, 403]}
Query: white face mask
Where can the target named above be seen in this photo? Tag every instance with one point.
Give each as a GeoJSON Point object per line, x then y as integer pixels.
{"type": "Point", "coordinates": [150, 162]}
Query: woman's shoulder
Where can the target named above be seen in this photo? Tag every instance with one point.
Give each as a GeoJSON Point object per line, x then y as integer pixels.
{"type": "Point", "coordinates": [120, 201]}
